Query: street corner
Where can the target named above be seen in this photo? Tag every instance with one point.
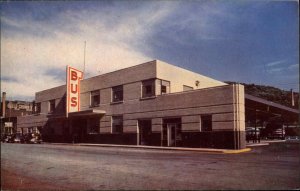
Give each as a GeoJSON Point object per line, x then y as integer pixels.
{"type": "Point", "coordinates": [237, 151]}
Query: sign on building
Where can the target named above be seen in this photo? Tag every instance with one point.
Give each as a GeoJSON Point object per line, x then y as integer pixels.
{"type": "Point", "coordinates": [8, 124]}
{"type": "Point", "coordinates": [73, 89]}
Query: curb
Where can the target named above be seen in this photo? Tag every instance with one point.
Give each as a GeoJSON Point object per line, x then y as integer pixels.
{"type": "Point", "coordinates": [264, 143]}
{"type": "Point", "coordinates": [275, 141]}
{"type": "Point", "coordinates": [206, 150]}
{"type": "Point", "coordinates": [237, 151]}
{"type": "Point", "coordinates": [257, 144]}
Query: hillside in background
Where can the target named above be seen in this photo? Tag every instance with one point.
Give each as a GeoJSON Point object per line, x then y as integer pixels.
{"type": "Point", "coordinates": [271, 94]}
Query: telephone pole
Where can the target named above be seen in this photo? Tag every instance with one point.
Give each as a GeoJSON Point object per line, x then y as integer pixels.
{"type": "Point", "coordinates": [84, 59]}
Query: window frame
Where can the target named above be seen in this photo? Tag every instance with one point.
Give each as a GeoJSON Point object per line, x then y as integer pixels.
{"type": "Point", "coordinates": [145, 84]}
{"type": "Point", "coordinates": [96, 93]}
{"type": "Point", "coordinates": [51, 104]}
{"type": "Point", "coordinates": [166, 87]}
{"type": "Point", "coordinates": [114, 91]}
{"type": "Point", "coordinates": [163, 89]}
{"type": "Point", "coordinates": [114, 120]}
{"type": "Point", "coordinates": [38, 107]}
{"type": "Point", "coordinates": [159, 87]}
{"type": "Point", "coordinates": [202, 119]}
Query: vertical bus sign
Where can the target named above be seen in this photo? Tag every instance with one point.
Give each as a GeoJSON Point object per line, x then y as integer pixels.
{"type": "Point", "coordinates": [73, 89]}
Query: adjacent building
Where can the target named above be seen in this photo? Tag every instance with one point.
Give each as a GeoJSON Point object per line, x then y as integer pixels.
{"type": "Point", "coordinates": [10, 110]}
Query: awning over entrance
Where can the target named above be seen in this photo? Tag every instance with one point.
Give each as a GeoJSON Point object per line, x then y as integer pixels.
{"type": "Point", "coordinates": [88, 113]}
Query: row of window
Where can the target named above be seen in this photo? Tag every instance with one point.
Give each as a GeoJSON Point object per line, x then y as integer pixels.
{"type": "Point", "coordinates": [51, 107]}
{"type": "Point", "coordinates": [150, 88]}
{"type": "Point", "coordinates": [117, 124]}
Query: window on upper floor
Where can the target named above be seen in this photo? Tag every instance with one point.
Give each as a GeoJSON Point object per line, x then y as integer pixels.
{"type": "Point", "coordinates": [148, 88]}
{"type": "Point", "coordinates": [51, 106]}
{"type": "Point", "coordinates": [38, 107]}
{"type": "Point", "coordinates": [206, 123]}
{"type": "Point", "coordinates": [117, 94]}
{"type": "Point", "coordinates": [117, 124]}
{"type": "Point", "coordinates": [95, 98]}
{"type": "Point", "coordinates": [165, 86]}
{"type": "Point", "coordinates": [187, 88]}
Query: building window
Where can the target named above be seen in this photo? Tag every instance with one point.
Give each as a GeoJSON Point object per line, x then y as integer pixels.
{"type": "Point", "coordinates": [95, 98]}
{"type": "Point", "coordinates": [206, 123]}
{"type": "Point", "coordinates": [64, 105]}
{"type": "Point", "coordinates": [117, 124]}
{"type": "Point", "coordinates": [51, 106]}
{"type": "Point", "coordinates": [30, 129]}
{"type": "Point", "coordinates": [187, 88]}
{"type": "Point", "coordinates": [148, 88]}
{"type": "Point", "coordinates": [34, 130]}
{"type": "Point", "coordinates": [38, 107]}
{"type": "Point", "coordinates": [117, 94]}
{"type": "Point", "coordinates": [165, 87]}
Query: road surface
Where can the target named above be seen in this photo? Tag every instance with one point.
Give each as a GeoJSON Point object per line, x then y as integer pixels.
{"type": "Point", "coordinates": [69, 167]}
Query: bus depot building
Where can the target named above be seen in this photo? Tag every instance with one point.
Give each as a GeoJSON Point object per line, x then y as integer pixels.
{"type": "Point", "coordinates": [154, 103]}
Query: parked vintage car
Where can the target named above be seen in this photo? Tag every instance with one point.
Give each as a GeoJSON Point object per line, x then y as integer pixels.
{"type": "Point", "coordinates": [28, 138]}
{"type": "Point", "coordinates": [9, 139]}
{"type": "Point", "coordinates": [3, 137]}
{"type": "Point", "coordinates": [253, 134]}
{"type": "Point", "coordinates": [33, 138]}
{"type": "Point", "coordinates": [19, 138]}
{"type": "Point", "coordinates": [292, 138]}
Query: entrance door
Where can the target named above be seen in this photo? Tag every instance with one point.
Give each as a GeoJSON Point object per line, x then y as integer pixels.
{"type": "Point", "coordinates": [171, 128]}
{"type": "Point", "coordinates": [144, 132]}
{"type": "Point", "coordinates": [171, 132]}
{"type": "Point", "coordinates": [79, 130]}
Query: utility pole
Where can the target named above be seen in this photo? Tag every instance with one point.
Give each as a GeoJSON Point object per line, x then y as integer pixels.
{"type": "Point", "coordinates": [293, 100]}
{"type": "Point", "coordinates": [84, 59]}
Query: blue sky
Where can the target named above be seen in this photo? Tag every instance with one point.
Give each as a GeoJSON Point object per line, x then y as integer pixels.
{"type": "Point", "coordinates": [243, 41]}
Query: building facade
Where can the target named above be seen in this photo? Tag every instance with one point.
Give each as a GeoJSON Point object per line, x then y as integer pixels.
{"type": "Point", "coordinates": [154, 103]}
{"type": "Point", "coordinates": [10, 110]}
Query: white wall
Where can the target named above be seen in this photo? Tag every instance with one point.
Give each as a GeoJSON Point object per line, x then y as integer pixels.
{"type": "Point", "coordinates": [179, 77]}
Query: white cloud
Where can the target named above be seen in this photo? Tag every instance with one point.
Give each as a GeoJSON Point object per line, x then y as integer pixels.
{"type": "Point", "coordinates": [293, 67]}
{"type": "Point", "coordinates": [275, 63]}
{"type": "Point", "coordinates": [274, 70]}
{"type": "Point", "coordinates": [36, 47]}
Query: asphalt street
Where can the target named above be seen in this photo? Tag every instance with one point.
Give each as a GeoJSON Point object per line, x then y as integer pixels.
{"type": "Point", "coordinates": [71, 167]}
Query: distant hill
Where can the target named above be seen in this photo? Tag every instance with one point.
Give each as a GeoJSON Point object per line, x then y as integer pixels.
{"type": "Point", "coordinates": [271, 94]}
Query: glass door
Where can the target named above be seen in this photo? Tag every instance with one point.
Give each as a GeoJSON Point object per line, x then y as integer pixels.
{"type": "Point", "coordinates": [171, 127]}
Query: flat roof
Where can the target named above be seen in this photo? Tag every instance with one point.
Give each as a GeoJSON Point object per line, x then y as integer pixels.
{"type": "Point", "coordinates": [270, 103]}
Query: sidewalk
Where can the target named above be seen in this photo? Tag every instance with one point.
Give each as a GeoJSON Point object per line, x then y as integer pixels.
{"type": "Point", "coordinates": [207, 150]}
{"type": "Point", "coordinates": [263, 143]}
